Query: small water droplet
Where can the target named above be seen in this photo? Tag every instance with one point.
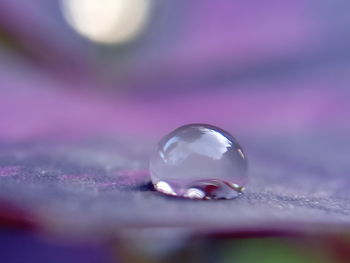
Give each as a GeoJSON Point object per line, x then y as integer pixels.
{"type": "Point", "coordinates": [199, 161]}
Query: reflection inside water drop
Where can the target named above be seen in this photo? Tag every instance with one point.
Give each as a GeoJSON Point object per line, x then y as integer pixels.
{"type": "Point", "coordinates": [199, 161]}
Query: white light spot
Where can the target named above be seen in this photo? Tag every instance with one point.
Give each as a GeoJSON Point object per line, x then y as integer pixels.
{"type": "Point", "coordinates": [194, 193]}
{"type": "Point", "coordinates": [107, 21]}
{"type": "Point", "coordinates": [241, 153]}
{"type": "Point", "coordinates": [164, 187]}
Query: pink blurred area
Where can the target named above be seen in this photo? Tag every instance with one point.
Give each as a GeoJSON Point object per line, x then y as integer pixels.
{"type": "Point", "coordinates": [34, 108]}
{"type": "Point", "coordinates": [251, 67]}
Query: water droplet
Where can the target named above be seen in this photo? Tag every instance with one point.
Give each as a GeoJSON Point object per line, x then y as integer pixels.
{"type": "Point", "coordinates": [199, 161]}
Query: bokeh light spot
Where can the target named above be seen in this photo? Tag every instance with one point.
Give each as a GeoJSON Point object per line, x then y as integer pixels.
{"type": "Point", "coordinates": [107, 21]}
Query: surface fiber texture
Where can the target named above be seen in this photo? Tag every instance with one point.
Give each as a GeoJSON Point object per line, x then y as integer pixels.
{"type": "Point", "coordinates": [295, 183]}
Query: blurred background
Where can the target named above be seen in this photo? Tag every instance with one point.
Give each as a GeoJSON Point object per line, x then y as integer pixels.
{"type": "Point", "coordinates": [144, 67]}
{"type": "Point", "coordinates": [136, 69]}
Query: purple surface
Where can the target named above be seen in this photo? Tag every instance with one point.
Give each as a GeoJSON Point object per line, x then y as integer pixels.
{"type": "Point", "coordinates": [296, 183]}
{"type": "Point", "coordinates": [295, 138]}
{"type": "Point", "coordinates": [36, 248]}
{"type": "Point", "coordinates": [78, 121]}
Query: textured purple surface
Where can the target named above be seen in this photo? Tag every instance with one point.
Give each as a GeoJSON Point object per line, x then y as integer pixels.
{"type": "Point", "coordinates": [296, 182]}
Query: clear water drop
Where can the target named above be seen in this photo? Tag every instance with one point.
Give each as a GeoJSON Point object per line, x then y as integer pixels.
{"type": "Point", "coordinates": [199, 161]}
